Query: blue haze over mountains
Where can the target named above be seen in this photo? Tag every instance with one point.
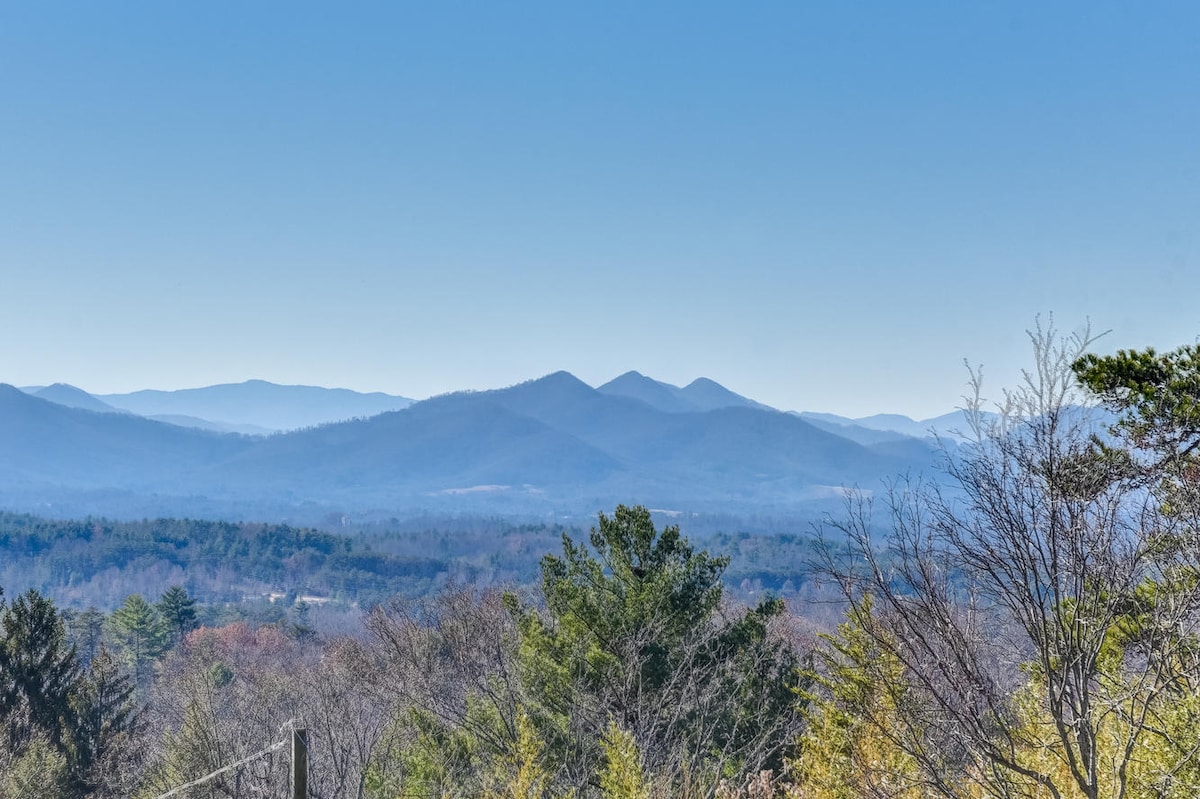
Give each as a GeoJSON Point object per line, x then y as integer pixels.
{"type": "Point", "coordinates": [554, 446]}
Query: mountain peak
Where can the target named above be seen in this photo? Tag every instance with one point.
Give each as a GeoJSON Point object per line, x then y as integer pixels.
{"type": "Point", "coordinates": [73, 397]}
{"type": "Point", "coordinates": [557, 381]}
{"type": "Point", "coordinates": [702, 394]}
{"type": "Point", "coordinates": [561, 374]}
{"type": "Point", "coordinates": [656, 394]}
{"type": "Point", "coordinates": [707, 394]}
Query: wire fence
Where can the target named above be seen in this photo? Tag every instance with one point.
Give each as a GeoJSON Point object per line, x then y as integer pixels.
{"type": "Point", "coordinates": [299, 743]}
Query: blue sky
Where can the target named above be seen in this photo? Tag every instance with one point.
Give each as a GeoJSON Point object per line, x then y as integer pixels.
{"type": "Point", "coordinates": [824, 206]}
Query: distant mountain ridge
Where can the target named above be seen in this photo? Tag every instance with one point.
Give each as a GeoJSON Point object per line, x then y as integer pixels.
{"type": "Point", "coordinates": [183, 420]}
{"type": "Point", "coordinates": [258, 407]}
{"type": "Point", "coordinates": [554, 444]}
{"type": "Point", "coordinates": [954, 425]}
{"type": "Point", "coordinates": [258, 403]}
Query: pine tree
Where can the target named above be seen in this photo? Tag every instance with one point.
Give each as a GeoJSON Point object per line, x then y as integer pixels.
{"type": "Point", "coordinates": [521, 774]}
{"type": "Point", "coordinates": [106, 718]}
{"type": "Point", "coordinates": [86, 631]}
{"type": "Point", "coordinates": [40, 674]}
{"type": "Point", "coordinates": [178, 612]}
{"type": "Point", "coordinates": [139, 631]}
{"type": "Point", "coordinates": [632, 635]}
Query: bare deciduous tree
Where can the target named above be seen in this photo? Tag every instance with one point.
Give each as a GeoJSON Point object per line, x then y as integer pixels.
{"type": "Point", "coordinates": [230, 692]}
{"type": "Point", "coordinates": [1047, 560]}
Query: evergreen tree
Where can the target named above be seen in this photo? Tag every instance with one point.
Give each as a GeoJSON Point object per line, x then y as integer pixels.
{"type": "Point", "coordinates": [178, 612]}
{"type": "Point", "coordinates": [86, 631]}
{"type": "Point", "coordinates": [40, 672]}
{"type": "Point", "coordinates": [632, 635]}
{"type": "Point", "coordinates": [622, 776]}
{"type": "Point", "coordinates": [139, 631]}
{"type": "Point", "coordinates": [57, 716]}
{"type": "Point", "coordinates": [521, 774]}
{"type": "Point", "coordinates": [849, 748]}
{"type": "Point", "coordinates": [106, 719]}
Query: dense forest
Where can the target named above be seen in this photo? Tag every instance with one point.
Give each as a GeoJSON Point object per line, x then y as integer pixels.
{"type": "Point", "coordinates": [98, 562]}
{"type": "Point", "coordinates": [1033, 633]}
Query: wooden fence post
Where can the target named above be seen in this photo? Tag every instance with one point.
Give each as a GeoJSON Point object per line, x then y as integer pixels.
{"type": "Point", "coordinates": [300, 763]}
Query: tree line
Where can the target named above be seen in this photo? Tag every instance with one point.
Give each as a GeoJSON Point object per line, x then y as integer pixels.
{"type": "Point", "coordinates": [99, 562]}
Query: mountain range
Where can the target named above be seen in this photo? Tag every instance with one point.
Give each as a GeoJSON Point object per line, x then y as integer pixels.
{"type": "Point", "coordinates": [553, 445]}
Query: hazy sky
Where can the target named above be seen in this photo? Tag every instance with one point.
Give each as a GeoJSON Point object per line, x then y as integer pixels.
{"type": "Point", "coordinates": [825, 206]}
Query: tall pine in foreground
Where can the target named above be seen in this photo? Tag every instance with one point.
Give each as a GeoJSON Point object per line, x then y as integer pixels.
{"type": "Point", "coordinates": [66, 728]}
{"type": "Point", "coordinates": [635, 633]}
{"type": "Point", "coordinates": [40, 672]}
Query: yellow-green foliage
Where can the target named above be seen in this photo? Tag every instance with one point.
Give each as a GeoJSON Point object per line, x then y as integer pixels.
{"type": "Point", "coordinates": [1146, 710]}
{"type": "Point", "coordinates": [850, 748]}
{"type": "Point", "coordinates": [857, 742]}
{"type": "Point", "coordinates": [448, 762]}
{"type": "Point", "coordinates": [622, 775]}
{"type": "Point", "coordinates": [187, 754]}
{"type": "Point", "coordinates": [39, 773]}
{"type": "Point", "coordinates": [1164, 761]}
{"type": "Point", "coordinates": [520, 774]}
{"type": "Point", "coordinates": [441, 762]}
